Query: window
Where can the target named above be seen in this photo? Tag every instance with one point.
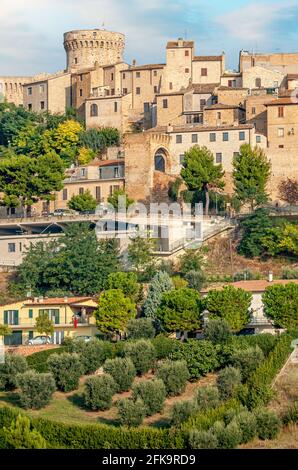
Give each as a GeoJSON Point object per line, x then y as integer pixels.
{"type": "Point", "coordinates": [212, 137]}
{"type": "Point", "coordinates": [100, 173]}
{"type": "Point", "coordinates": [42, 105]}
{"type": "Point", "coordinates": [123, 76]}
{"type": "Point", "coordinates": [116, 188]}
{"type": "Point", "coordinates": [188, 119]}
{"type": "Point", "coordinates": [30, 313]}
{"type": "Point", "coordinates": [81, 78]}
{"type": "Point", "coordinates": [202, 104]}
{"type": "Point", "coordinates": [53, 314]}
{"type": "Point", "coordinates": [218, 158]}
{"type": "Point", "coordinates": [164, 103]}
{"type": "Point", "coordinates": [116, 172]}
{"type": "Point", "coordinates": [204, 72]}
{"type": "Point", "coordinates": [253, 110]}
{"type": "Point", "coordinates": [29, 90]}
{"type": "Point", "coordinates": [242, 135]}
{"type": "Point", "coordinates": [11, 247]}
{"type": "Point", "coordinates": [112, 91]}
{"type": "Point", "coordinates": [81, 92]}
{"type": "Point", "coordinates": [98, 193]}
{"type": "Point", "coordinates": [186, 53]}
{"type": "Point", "coordinates": [138, 74]}
{"type": "Point", "coordinates": [219, 115]}
{"type": "Point", "coordinates": [112, 76]}
{"type": "Point", "coordinates": [225, 136]}
{"type": "Point", "coordinates": [258, 139]}
{"type": "Point", "coordinates": [181, 159]}
{"type": "Point", "coordinates": [94, 110]}
{"type": "Point", "coordinates": [155, 73]}
{"type": "Point", "coordinates": [146, 107]}
{"type": "Point", "coordinates": [138, 90]}
{"type": "Point", "coordinates": [159, 160]}
{"type": "Point", "coordinates": [30, 106]}
{"type": "Point", "coordinates": [281, 111]}
{"type": "Point", "coordinates": [155, 89]}
{"type": "Point", "coordinates": [11, 317]}
{"type": "Point", "coordinates": [115, 107]}
{"type": "Point", "coordinates": [64, 194]}
{"type": "Point", "coordinates": [281, 132]}
{"type": "Point", "coordinates": [171, 86]}
{"type": "Point", "coordinates": [111, 190]}
{"type": "Point", "coordinates": [41, 88]}
{"type": "Point", "coordinates": [124, 91]}
{"type": "Point", "coordinates": [258, 82]}
{"type": "Point", "coordinates": [75, 60]}
{"type": "Point", "coordinates": [81, 191]}
{"type": "Point", "coordinates": [194, 138]}
{"type": "Point", "coordinates": [198, 118]}
{"type": "Point", "coordinates": [179, 139]}
{"type": "Point", "coordinates": [187, 70]}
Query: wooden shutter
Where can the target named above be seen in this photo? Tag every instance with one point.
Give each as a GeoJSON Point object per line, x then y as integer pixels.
{"type": "Point", "coordinates": [5, 317]}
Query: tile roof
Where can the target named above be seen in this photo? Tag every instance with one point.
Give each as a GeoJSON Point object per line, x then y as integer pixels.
{"type": "Point", "coordinates": [292, 76]}
{"type": "Point", "coordinates": [56, 300]}
{"type": "Point", "coordinates": [106, 162]}
{"type": "Point", "coordinates": [203, 87]}
{"type": "Point", "coordinates": [282, 101]}
{"type": "Point", "coordinates": [224, 106]}
{"type": "Point", "coordinates": [133, 68]}
{"type": "Point", "coordinates": [172, 44]}
{"type": "Point", "coordinates": [223, 87]}
{"type": "Point", "coordinates": [208, 58]}
{"type": "Point", "coordinates": [198, 128]}
{"type": "Point", "coordinates": [254, 285]}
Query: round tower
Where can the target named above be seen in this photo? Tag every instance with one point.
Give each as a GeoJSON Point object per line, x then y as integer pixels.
{"type": "Point", "coordinates": [84, 48]}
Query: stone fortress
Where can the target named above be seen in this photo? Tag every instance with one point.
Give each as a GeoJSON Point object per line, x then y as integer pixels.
{"type": "Point", "coordinates": [163, 109]}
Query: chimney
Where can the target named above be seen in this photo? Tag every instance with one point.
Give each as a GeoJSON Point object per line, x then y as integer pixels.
{"type": "Point", "coordinates": [134, 62]}
{"type": "Point", "coordinates": [180, 42]}
{"type": "Point", "coordinates": [270, 276]}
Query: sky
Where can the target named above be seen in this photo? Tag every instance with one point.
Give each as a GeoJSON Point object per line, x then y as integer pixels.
{"type": "Point", "coordinates": [31, 31]}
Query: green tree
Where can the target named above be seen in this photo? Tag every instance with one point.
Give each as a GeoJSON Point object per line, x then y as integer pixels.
{"type": "Point", "coordinates": [114, 311]}
{"type": "Point", "coordinates": [254, 227]}
{"type": "Point", "coordinates": [20, 435]}
{"type": "Point", "coordinates": [230, 304]}
{"type": "Point", "coordinates": [119, 199]}
{"type": "Point", "coordinates": [63, 140]}
{"type": "Point", "coordinates": [160, 284]}
{"type": "Point", "coordinates": [192, 260]}
{"type": "Point", "coordinates": [82, 202]}
{"type": "Point", "coordinates": [251, 174]}
{"type": "Point", "coordinates": [127, 282]}
{"type": "Point", "coordinates": [44, 324]}
{"type": "Point", "coordinates": [180, 310]}
{"type": "Point", "coordinates": [5, 330]}
{"type": "Point", "coordinates": [200, 356]}
{"type": "Point", "coordinates": [12, 120]}
{"type": "Point", "coordinates": [140, 253]}
{"type": "Point", "coordinates": [200, 173]}
{"type": "Point", "coordinates": [99, 139]}
{"type": "Point", "coordinates": [281, 304]}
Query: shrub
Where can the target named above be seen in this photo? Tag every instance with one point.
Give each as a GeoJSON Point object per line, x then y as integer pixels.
{"type": "Point", "coordinates": [140, 328]}
{"type": "Point", "coordinates": [202, 440]}
{"type": "Point", "coordinates": [247, 424]}
{"type": "Point", "coordinates": [174, 375]}
{"type": "Point", "coordinates": [207, 397]}
{"type": "Point", "coordinates": [182, 410]}
{"type": "Point", "coordinates": [38, 360]}
{"type": "Point", "coordinates": [164, 346]}
{"type": "Point", "coordinates": [142, 354]}
{"type": "Point", "coordinates": [66, 369]}
{"type": "Point", "coordinates": [228, 381]}
{"type": "Point", "coordinates": [160, 284]}
{"type": "Point", "coordinates": [152, 393]}
{"type": "Point", "coordinates": [93, 354]}
{"type": "Point", "coordinates": [127, 282]}
{"type": "Point", "coordinates": [36, 389]}
{"type": "Point", "coordinates": [247, 361]}
{"type": "Point", "coordinates": [268, 424]}
{"type": "Point", "coordinates": [217, 331]}
{"type": "Point", "coordinates": [179, 282]}
{"type": "Point", "coordinates": [195, 279]}
{"type": "Point", "coordinates": [123, 372]}
{"type": "Point", "coordinates": [130, 412]}
{"type": "Point", "coordinates": [229, 436]}
{"type": "Point", "coordinates": [200, 356]}
{"type": "Point", "coordinates": [99, 391]}
{"type": "Point", "coordinates": [265, 341]}
{"type": "Point", "coordinates": [13, 365]}
{"type": "Point", "coordinates": [19, 435]}
{"type": "Point", "coordinates": [291, 415]}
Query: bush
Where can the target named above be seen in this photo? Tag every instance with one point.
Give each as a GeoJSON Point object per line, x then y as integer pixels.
{"type": "Point", "coordinates": [130, 412]}
{"type": "Point", "coordinates": [202, 440]}
{"type": "Point", "coordinates": [200, 356]}
{"type": "Point", "coordinates": [228, 380]}
{"type": "Point", "coordinates": [217, 331]}
{"type": "Point", "coordinates": [195, 279]}
{"type": "Point", "coordinates": [247, 361]}
{"type": "Point", "coordinates": [38, 360]}
{"type": "Point", "coordinates": [93, 354]}
{"type": "Point", "coordinates": [13, 365]}
{"type": "Point", "coordinates": [182, 410]}
{"type": "Point", "coordinates": [265, 341]}
{"type": "Point", "coordinates": [268, 424]}
{"type": "Point", "coordinates": [36, 389]}
{"type": "Point", "coordinates": [179, 282]}
{"type": "Point", "coordinates": [140, 328]}
{"type": "Point", "coordinates": [174, 375]}
{"type": "Point", "coordinates": [291, 415]}
{"type": "Point", "coordinates": [207, 397]}
{"type": "Point", "coordinates": [19, 435]}
{"type": "Point", "coordinates": [99, 391]}
{"type": "Point", "coordinates": [152, 393]}
{"type": "Point", "coordinates": [123, 372]}
{"type": "Point", "coordinates": [229, 436]}
{"type": "Point", "coordinates": [164, 346]}
{"type": "Point", "coordinates": [66, 369]}
{"type": "Point", "coordinates": [142, 354]}
{"type": "Point", "coordinates": [247, 424]}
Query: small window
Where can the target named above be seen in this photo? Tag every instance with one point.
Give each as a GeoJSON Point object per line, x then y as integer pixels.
{"type": "Point", "coordinates": [124, 91]}
{"type": "Point", "coordinates": [64, 194]}
{"type": "Point", "coordinates": [112, 76]}
{"type": "Point", "coordinates": [281, 111]}
{"type": "Point", "coordinates": [181, 159]}
{"type": "Point", "coordinates": [112, 91]}
{"type": "Point", "coordinates": [30, 313]}
{"type": "Point", "coordinates": [155, 89]}
{"type": "Point", "coordinates": [171, 86]}
{"type": "Point", "coordinates": [138, 74]}
{"type": "Point", "coordinates": [258, 139]}
{"type": "Point", "coordinates": [81, 92]}
{"type": "Point", "coordinates": [188, 119]}
{"type": "Point", "coordinates": [258, 82]}
{"type": "Point", "coordinates": [204, 72]}
{"type": "Point", "coordinates": [98, 193]}
{"type": "Point", "coordinates": [29, 90]}
{"type": "Point", "coordinates": [115, 107]}
{"type": "Point", "coordinates": [218, 158]}
{"type": "Point", "coordinates": [194, 138]}
{"type": "Point", "coordinates": [242, 135]}
{"type": "Point", "coordinates": [81, 78]}
{"type": "Point", "coordinates": [81, 191]}
{"type": "Point", "coordinates": [41, 88]}
{"type": "Point", "coordinates": [94, 110]}
{"type": "Point", "coordinates": [155, 73]}
{"type": "Point", "coordinates": [11, 247]}
{"type": "Point", "coordinates": [219, 115]}
{"type": "Point", "coordinates": [212, 137]}
{"type": "Point", "coordinates": [225, 136]}
{"type": "Point", "coordinates": [42, 106]}
{"type": "Point", "coordinates": [253, 110]}
{"type": "Point", "coordinates": [179, 139]}
{"type": "Point", "coordinates": [123, 76]}
{"type": "Point", "coordinates": [186, 53]}
{"type": "Point", "coordinates": [138, 91]}
{"type": "Point", "coordinates": [116, 172]}
{"type": "Point", "coordinates": [164, 103]}
{"type": "Point", "coordinates": [30, 106]}
{"type": "Point", "coordinates": [281, 132]}
{"type": "Point", "coordinates": [187, 70]}
{"type": "Point", "coordinates": [75, 60]}
{"type": "Point", "coordinates": [146, 107]}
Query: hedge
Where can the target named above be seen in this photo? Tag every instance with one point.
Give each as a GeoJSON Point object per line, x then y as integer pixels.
{"type": "Point", "coordinates": [38, 360]}
{"type": "Point", "coordinates": [96, 436]}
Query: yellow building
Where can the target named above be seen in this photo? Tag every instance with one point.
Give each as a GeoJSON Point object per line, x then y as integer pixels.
{"type": "Point", "coordinates": [21, 318]}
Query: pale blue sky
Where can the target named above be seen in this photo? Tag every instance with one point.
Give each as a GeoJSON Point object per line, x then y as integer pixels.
{"type": "Point", "coordinates": [31, 31]}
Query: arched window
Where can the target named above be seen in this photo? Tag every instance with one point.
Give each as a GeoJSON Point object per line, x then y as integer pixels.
{"type": "Point", "coordinates": [94, 110]}
{"type": "Point", "coordinates": [159, 161]}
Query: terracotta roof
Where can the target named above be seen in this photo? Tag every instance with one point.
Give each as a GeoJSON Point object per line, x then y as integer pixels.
{"type": "Point", "coordinates": [199, 128]}
{"type": "Point", "coordinates": [203, 87]}
{"type": "Point", "coordinates": [292, 76]}
{"type": "Point", "coordinates": [208, 58]}
{"type": "Point", "coordinates": [133, 68]}
{"type": "Point", "coordinates": [222, 87]}
{"type": "Point", "coordinates": [173, 93]}
{"type": "Point", "coordinates": [281, 101]}
{"type": "Point", "coordinates": [172, 44]}
{"type": "Point", "coordinates": [106, 162]}
{"type": "Point", "coordinates": [255, 285]}
{"type": "Point", "coordinates": [232, 74]}
{"type": "Point", "coordinates": [57, 300]}
{"type": "Point", "coordinates": [224, 106]}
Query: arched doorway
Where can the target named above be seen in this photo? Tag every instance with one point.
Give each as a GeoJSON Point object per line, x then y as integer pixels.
{"type": "Point", "coordinates": [160, 160]}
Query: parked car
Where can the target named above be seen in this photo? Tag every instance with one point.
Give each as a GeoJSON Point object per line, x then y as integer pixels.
{"type": "Point", "coordinates": [90, 212]}
{"type": "Point", "coordinates": [83, 337]}
{"type": "Point", "coordinates": [62, 212]}
{"type": "Point", "coordinates": [39, 340]}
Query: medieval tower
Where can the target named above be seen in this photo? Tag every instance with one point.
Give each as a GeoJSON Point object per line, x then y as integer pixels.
{"type": "Point", "coordinates": [84, 48]}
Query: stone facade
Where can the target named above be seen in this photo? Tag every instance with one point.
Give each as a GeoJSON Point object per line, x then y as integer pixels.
{"type": "Point", "coordinates": [11, 89]}
{"type": "Point", "coordinates": [261, 77]}
{"type": "Point", "coordinates": [282, 116]}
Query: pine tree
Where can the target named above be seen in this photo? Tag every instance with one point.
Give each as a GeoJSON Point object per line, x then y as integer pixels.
{"type": "Point", "coordinates": [160, 284]}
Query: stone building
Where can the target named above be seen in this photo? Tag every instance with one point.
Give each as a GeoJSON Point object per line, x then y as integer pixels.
{"type": "Point", "coordinates": [11, 89]}
{"type": "Point", "coordinates": [282, 118]}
